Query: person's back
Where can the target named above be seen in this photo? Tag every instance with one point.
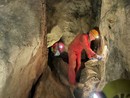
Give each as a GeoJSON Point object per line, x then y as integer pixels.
{"type": "Point", "coordinates": [77, 44]}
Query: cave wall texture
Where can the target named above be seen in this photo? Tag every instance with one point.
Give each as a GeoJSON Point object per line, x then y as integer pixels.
{"type": "Point", "coordinates": [23, 48]}
{"type": "Point", "coordinates": [72, 17]}
{"type": "Point", "coordinates": [114, 25]}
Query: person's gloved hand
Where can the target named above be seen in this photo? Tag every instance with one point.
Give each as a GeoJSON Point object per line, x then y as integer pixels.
{"type": "Point", "coordinates": [99, 57]}
{"type": "Point", "coordinates": [93, 58]}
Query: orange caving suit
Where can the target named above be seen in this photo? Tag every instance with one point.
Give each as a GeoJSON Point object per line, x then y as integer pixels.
{"type": "Point", "coordinates": [80, 42]}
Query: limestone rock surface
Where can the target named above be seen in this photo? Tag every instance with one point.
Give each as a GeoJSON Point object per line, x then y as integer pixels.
{"type": "Point", "coordinates": [22, 46]}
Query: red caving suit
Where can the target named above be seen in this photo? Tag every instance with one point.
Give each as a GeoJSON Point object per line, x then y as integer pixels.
{"type": "Point", "coordinates": [80, 42]}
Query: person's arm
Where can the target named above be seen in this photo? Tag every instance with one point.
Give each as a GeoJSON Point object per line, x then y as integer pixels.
{"type": "Point", "coordinates": [86, 46]}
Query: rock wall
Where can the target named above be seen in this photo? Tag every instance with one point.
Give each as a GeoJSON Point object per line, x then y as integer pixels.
{"type": "Point", "coordinates": [72, 17]}
{"type": "Point", "coordinates": [51, 87]}
{"type": "Point", "coordinates": [114, 26]}
{"type": "Point", "coordinates": [23, 49]}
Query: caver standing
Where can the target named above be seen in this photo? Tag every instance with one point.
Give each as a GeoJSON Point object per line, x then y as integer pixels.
{"type": "Point", "coordinates": [81, 41]}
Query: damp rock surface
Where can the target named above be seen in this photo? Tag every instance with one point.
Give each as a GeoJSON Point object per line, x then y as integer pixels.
{"type": "Point", "coordinates": [22, 43]}
{"type": "Point", "coordinates": [115, 29]}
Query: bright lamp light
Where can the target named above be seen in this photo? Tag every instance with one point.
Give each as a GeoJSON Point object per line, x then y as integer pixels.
{"type": "Point", "coordinates": [95, 95]}
{"type": "Point", "coordinates": [97, 37]}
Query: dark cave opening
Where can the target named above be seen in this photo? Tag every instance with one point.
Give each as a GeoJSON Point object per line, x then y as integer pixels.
{"type": "Point", "coordinates": [34, 86]}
